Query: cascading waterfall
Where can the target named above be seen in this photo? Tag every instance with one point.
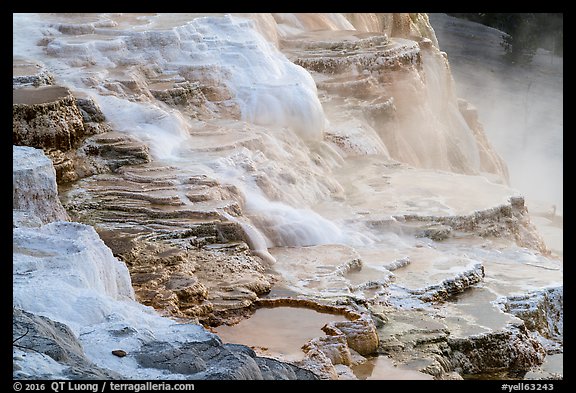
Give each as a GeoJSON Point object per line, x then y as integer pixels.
{"type": "Point", "coordinates": [342, 150]}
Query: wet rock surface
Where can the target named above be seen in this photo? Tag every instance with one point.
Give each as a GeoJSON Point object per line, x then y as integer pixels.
{"type": "Point", "coordinates": [511, 350]}
{"type": "Point", "coordinates": [214, 360]}
{"type": "Point", "coordinates": [109, 151]}
{"type": "Point", "coordinates": [26, 73]}
{"type": "Point", "coordinates": [34, 334]}
{"type": "Point", "coordinates": [34, 188]}
{"type": "Point", "coordinates": [382, 77]}
{"type": "Point", "coordinates": [440, 284]}
{"type": "Point", "coordinates": [543, 314]}
{"type": "Point", "coordinates": [46, 117]}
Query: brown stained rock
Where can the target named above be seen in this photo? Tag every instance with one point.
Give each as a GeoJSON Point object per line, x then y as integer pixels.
{"type": "Point", "coordinates": [311, 304]}
{"type": "Point", "coordinates": [511, 349]}
{"type": "Point", "coordinates": [63, 164]}
{"type": "Point", "coordinates": [163, 276]}
{"type": "Point", "coordinates": [51, 118]}
{"type": "Point", "coordinates": [155, 195]}
{"type": "Point", "coordinates": [214, 285]}
{"type": "Point", "coordinates": [46, 117]}
{"type": "Point", "coordinates": [119, 352]}
{"type": "Point", "coordinates": [234, 280]}
{"type": "Point", "coordinates": [108, 151]}
{"type": "Point", "coordinates": [185, 258]}
{"type": "Point", "coordinates": [195, 293]}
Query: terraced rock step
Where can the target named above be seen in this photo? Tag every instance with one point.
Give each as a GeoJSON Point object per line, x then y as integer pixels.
{"type": "Point", "coordinates": [156, 194]}
{"type": "Point", "coordinates": [542, 311]}
{"type": "Point", "coordinates": [337, 52]}
{"type": "Point", "coordinates": [53, 118]}
{"type": "Point", "coordinates": [51, 340]}
{"type": "Point", "coordinates": [46, 117]}
{"type": "Point", "coordinates": [270, 160]}
{"type": "Point", "coordinates": [26, 73]}
{"type": "Point", "coordinates": [113, 150]}
{"type": "Point", "coordinates": [173, 229]}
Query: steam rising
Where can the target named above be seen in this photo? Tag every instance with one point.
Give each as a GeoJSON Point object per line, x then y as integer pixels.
{"type": "Point", "coordinates": [290, 169]}
{"type": "Point", "coordinates": [521, 107]}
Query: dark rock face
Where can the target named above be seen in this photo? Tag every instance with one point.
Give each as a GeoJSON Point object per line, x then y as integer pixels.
{"type": "Point", "coordinates": [112, 150]}
{"type": "Point", "coordinates": [213, 360]}
{"type": "Point", "coordinates": [90, 111]}
{"type": "Point", "coordinates": [39, 334]}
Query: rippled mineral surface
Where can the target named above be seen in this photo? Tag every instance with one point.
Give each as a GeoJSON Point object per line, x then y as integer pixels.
{"type": "Point", "coordinates": [310, 186]}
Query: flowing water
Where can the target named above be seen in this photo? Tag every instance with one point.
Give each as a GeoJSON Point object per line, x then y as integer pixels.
{"type": "Point", "coordinates": [321, 186]}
